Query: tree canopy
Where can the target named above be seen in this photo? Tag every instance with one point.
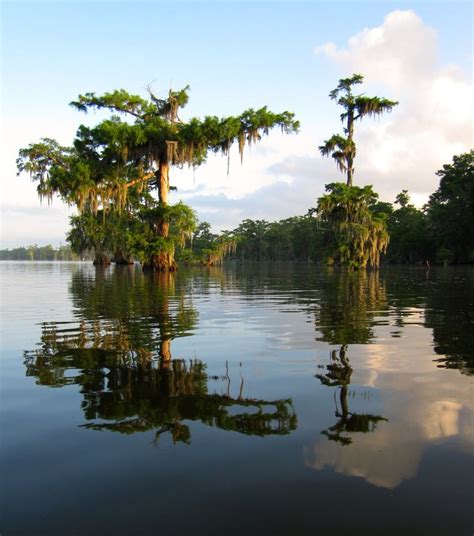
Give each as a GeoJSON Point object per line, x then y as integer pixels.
{"type": "Point", "coordinates": [134, 149]}
{"type": "Point", "coordinates": [451, 210]}
{"type": "Point", "coordinates": [343, 148]}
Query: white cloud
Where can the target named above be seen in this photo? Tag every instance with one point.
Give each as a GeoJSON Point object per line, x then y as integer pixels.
{"type": "Point", "coordinates": [434, 118]}
{"type": "Point", "coordinates": [283, 175]}
{"type": "Point", "coordinates": [401, 150]}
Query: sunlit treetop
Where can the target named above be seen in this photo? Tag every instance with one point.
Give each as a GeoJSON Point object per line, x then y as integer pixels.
{"type": "Point", "coordinates": [343, 148]}
{"type": "Point", "coordinates": [105, 160]}
{"type": "Point", "coordinates": [170, 139]}
{"type": "Point", "coordinates": [360, 105]}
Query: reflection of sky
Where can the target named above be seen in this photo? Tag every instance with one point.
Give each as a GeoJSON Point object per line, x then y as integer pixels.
{"type": "Point", "coordinates": [423, 405]}
{"type": "Point", "coordinates": [272, 331]}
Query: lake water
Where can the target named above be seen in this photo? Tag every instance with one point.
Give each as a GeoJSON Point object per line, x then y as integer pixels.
{"type": "Point", "coordinates": [251, 399]}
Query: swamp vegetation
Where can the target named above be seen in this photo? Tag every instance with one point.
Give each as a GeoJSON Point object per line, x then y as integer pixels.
{"type": "Point", "coordinates": [117, 174]}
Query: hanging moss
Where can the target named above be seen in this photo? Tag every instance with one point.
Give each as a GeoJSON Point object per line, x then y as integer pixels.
{"type": "Point", "coordinates": [118, 158]}
{"type": "Point", "coordinates": [358, 238]}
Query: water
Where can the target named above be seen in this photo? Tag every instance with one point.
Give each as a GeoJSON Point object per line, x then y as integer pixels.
{"type": "Point", "coordinates": [265, 399]}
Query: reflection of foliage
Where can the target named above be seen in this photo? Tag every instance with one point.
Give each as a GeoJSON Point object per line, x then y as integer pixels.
{"type": "Point", "coordinates": [127, 318]}
{"type": "Point", "coordinates": [452, 320]}
{"type": "Point", "coordinates": [339, 374]}
{"type": "Point", "coordinates": [144, 312]}
{"type": "Point", "coordinates": [136, 397]}
{"type": "Point", "coordinates": [440, 300]}
{"type": "Point", "coordinates": [120, 356]}
{"type": "Point", "coordinates": [348, 303]}
{"type": "Point", "coordinates": [160, 398]}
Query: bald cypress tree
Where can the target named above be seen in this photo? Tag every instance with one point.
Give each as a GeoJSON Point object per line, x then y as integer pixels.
{"type": "Point", "coordinates": [356, 235]}
{"type": "Point", "coordinates": [105, 162]}
{"type": "Point", "coordinates": [343, 148]}
{"type": "Point", "coordinates": [136, 148]}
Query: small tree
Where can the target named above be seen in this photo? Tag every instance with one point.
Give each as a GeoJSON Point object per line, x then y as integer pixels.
{"type": "Point", "coordinates": [357, 235]}
{"type": "Point", "coordinates": [91, 232]}
{"type": "Point", "coordinates": [343, 148]}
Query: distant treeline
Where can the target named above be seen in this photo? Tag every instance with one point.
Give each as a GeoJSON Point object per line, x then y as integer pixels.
{"type": "Point", "coordinates": [42, 253]}
{"type": "Point", "coordinates": [440, 232]}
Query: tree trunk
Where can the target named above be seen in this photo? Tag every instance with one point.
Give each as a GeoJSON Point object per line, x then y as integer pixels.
{"type": "Point", "coordinates": [162, 261]}
{"type": "Point", "coordinates": [165, 283]}
{"type": "Point", "coordinates": [165, 351]}
{"type": "Point", "coordinates": [350, 172]}
{"type": "Point", "coordinates": [122, 258]}
{"type": "Point", "coordinates": [101, 259]}
{"type": "Point", "coordinates": [350, 137]}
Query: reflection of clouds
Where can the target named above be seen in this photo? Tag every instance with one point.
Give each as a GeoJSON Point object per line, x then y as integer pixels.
{"type": "Point", "coordinates": [380, 457]}
{"type": "Point", "coordinates": [394, 450]}
{"type": "Point", "coordinates": [422, 404]}
{"type": "Point", "coordinates": [443, 419]}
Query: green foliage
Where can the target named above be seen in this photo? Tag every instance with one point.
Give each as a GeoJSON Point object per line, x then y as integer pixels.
{"type": "Point", "coordinates": [343, 148]}
{"type": "Point", "coordinates": [171, 140]}
{"type": "Point", "coordinates": [223, 246]}
{"type": "Point", "coordinates": [40, 253]}
{"type": "Point", "coordinates": [94, 173]}
{"type": "Point", "coordinates": [105, 234]}
{"type": "Point", "coordinates": [89, 232]}
{"type": "Point", "coordinates": [143, 239]}
{"type": "Point", "coordinates": [118, 156]}
{"type": "Point", "coordinates": [202, 237]}
{"type": "Point", "coordinates": [410, 237]}
{"type": "Point", "coordinates": [357, 236]}
{"type": "Point", "coordinates": [403, 199]}
{"type": "Point", "coordinates": [450, 210]}
{"type": "Point", "coordinates": [207, 249]}
{"type": "Point", "coordinates": [296, 238]}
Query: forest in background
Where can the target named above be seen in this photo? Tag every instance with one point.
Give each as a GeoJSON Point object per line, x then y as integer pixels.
{"type": "Point", "coordinates": [441, 232]}
{"type": "Point", "coordinates": [117, 175]}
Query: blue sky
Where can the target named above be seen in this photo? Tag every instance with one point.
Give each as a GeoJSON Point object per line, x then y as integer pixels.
{"type": "Point", "coordinates": [234, 55]}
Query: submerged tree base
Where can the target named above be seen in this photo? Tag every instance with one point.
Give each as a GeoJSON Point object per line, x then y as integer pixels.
{"type": "Point", "coordinates": [357, 236]}
{"type": "Point", "coordinates": [163, 262]}
{"type": "Point", "coordinates": [101, 259]}
{"type": "Point", "coordinates": [123, 260]}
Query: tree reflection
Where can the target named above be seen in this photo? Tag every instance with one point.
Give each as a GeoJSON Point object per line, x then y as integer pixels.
{"type": "Point", "coordinates": [348, 304]}
{"type": "Point", "coordinates": [161, 398]}
{"type": "Point", "coordinates": [452, 320]}
{"type": "Point", "coordinates": [138, 314]}
{"type": "Point", "coordinates": [119, 354]}
{"type": "Point", "coordinates": [338, 374]}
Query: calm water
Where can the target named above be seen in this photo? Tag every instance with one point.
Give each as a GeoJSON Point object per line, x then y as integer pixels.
{"type": "Point", "coordinates": [256, 399]}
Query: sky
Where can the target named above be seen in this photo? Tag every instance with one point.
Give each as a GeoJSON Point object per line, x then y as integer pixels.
{"type": "Point", "coordinates": [239, 55]}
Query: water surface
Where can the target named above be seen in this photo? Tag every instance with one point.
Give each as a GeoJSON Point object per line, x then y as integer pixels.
{"type": "Point", "coordinates": [265, 399]}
